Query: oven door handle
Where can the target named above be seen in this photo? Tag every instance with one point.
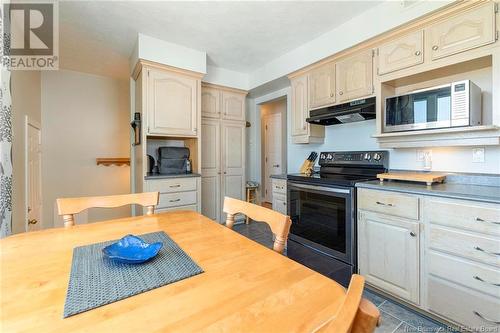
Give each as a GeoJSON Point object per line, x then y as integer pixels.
{"type": "Point", "coordinates": [321, 188]}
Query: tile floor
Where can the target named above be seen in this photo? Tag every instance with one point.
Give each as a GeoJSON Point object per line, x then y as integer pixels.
{"type": "Point", "coordinates": [396, 318]}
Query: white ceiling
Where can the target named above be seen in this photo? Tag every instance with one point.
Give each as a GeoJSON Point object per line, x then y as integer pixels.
{"type": "Point", "coordinates": [98, 36]}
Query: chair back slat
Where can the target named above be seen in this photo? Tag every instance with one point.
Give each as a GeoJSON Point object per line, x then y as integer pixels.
{"type": "Point", "coordinates": [343, 321]}
{"type": "Point", "coordinates": [279, 223]}
{"type": "Point", "coordinates": [68, 207]}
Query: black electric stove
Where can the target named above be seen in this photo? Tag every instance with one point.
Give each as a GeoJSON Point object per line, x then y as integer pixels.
{"type": "Point", "coordinates": [323, 211]}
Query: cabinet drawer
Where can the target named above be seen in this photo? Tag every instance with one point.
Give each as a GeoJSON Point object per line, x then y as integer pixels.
{"type": "Point", "coordinates": [483, 249]}
{"type": "Point", "coordinates": [478, 217]}
{"type": "Point", "coordinates": [279, 186]}
{"type": "Point", "coordinates": [177, 199]}
{"type": "Point", "coordinates": [172, 185]}
{"type": "Point", "coordinates": [188, 207]}
{"type": "Point", "coordinates": [390, 203]}
{"type": "Point", "coordinates": [279, 203]}
{"type": "Point", "coordinates": [463, 306]}
{"type": "Point", "coordinates": [473, 275]}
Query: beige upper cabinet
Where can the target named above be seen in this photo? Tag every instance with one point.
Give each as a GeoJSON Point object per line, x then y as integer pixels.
{"type": "Point", "coordinates": [401, 53]}
{"type": "Point", "coordinates": [172, 103]}
{"type": "Point", "coordinates": [322, 86]}
{"type": "Point", "coordinates": [354, 76]}
{"type": "Point", "coordinates": [462, 32]}
{"type": "Point", "coordinates": [300, 106]}
{"type": "Point", "coordinates": [233, 106]}
{"type": "Point", "coordinates": [210, 102]}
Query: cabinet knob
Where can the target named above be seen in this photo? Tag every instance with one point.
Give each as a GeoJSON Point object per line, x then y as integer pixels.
{"type": "Point", "coordinates": [341, 93]}
{"type": "Point", "coordinates": [417, 53]}
{"type": "Point", "coordinates": [284, 203]}
{"type": "Point", "coordinates": [435, 47]}
{"type": "Point", "coordinates": [304, 127]}
{"type": "Point", "coordinates": [331, 94]}
{"type": "Point", "coordinates": [412, 234]}
{"type": "Point", "coordinates": [225, 172]}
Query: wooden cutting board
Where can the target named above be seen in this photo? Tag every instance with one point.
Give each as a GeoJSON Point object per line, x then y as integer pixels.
{"type": "Point", "coordinates": [429, 177]}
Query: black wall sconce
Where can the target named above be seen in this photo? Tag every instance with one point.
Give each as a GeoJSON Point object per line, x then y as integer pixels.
{"type": "Point", "coordinates": [136, 126]}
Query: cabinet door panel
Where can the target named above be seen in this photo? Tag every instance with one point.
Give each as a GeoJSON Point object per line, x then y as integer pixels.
{"type": "Point", "coordinates": [210, 147]}
{"type": "Point", "coordinates": [354, 76]}
{"type": "Point", "coordinates": [210, 102]}
{"type": "Point", "coordinates": [172, 104]}
{"type": "Point", "coordinates": [462, 32]}
{"type": "Point", "coordinates": [233, 161]}
{"type": "Point", "coordinates": [279, 203]}
{"type": "Point", "coordinates": [210, 197]}
{"type": "Point", "coordinates": [401, 53]}
{"type": "Point", "coordinates": [388, 254]}
{"type": "Point", "coordinates": [300, 106]}
{"type": "Point", "coordinates": [233, 106]}
{"type": "Point", "coordinates": [322, 86]}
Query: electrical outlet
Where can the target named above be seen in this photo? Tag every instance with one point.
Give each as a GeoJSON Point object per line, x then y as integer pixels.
{"type": "Point", "coordinates": [477, 155]}
{"type": "Point", "coordinates": [421, 154]}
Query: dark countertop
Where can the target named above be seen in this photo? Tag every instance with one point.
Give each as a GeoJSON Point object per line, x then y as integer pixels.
{"type": "Point", "coordinates": [162, 176]}
{"type": "Point", "coordinates": [449, 190]}
{"type": "Point", "coordinates": [282, 176]}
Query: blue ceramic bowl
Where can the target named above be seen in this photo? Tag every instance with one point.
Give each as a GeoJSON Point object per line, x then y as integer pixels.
{"type": "Point", "coordinates": [132, 250]}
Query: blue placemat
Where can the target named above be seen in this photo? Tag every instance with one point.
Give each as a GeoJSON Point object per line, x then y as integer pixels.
{"type": "Point", "coordinates": [96, 280]}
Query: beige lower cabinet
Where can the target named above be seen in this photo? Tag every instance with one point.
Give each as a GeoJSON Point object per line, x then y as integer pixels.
{"type": "Point", "coordinates": [389, 253]}
{"type": "Point", "coordinates": [176, 193]}
{"type": "Point", "coordinates": [451, 269]}
{"type": "Point", "coordinates": [223, 164]}
{"type": "Point", "coordinates": [279, 195]}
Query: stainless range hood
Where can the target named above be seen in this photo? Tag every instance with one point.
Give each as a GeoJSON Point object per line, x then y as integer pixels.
{"type": "Point", "coordinates": [363, 109]}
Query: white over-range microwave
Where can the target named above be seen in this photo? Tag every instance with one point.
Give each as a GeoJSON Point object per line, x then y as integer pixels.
{"type": "Point", "coordinates": [450, 105]}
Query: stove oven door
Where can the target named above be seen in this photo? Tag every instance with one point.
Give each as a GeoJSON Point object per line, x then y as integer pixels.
{"type": "Point", "coordinates": [323, 219]}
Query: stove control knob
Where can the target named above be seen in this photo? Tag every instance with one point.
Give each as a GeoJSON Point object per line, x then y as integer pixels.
{"type": "Point", "coordinates": [377, 157]}
{"type": "Point", "coordinates": [367, 156]}
{"type": "Point", "coordinates": [330, 157]}
{"type": "Point", "coordinates": [322, 156]}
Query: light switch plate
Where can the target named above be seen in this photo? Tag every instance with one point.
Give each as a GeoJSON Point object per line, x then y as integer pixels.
{"type": "Point", "coordinates": [477, 155]}
{"type": "Point", "coordinates": [421, 154]}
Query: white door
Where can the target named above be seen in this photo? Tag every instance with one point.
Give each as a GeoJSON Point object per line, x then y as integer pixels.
{"type": "Point", "coordinates": [233, 160]}
{"type": "Point", "coordinates": [272, 152]}
{"type": "Point", "coordinates": [210, 168]}
{"type": "Point", "coordinates": [34, 175]}
{"type": "Point", "coordinates": [172, 104]}
{"type": "Point", "coordinates": [389, 254]}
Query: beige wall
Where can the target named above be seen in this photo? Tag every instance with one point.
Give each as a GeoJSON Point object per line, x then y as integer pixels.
{"type": "Point", "coordinates": [26, 101]}
{"type": "Point", "coordinates": [84, 117]}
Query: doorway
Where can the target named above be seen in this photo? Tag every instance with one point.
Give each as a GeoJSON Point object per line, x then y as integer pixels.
{"type": "Point", "coordinates": [273, 144]}
{"type": "Point", "coordinates": [33, 174]}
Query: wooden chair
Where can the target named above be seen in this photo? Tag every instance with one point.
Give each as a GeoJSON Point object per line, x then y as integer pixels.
{"type": "Point", "coordinates": [279, 223]}
{"type": "Point", "coordinates": [68, 207]}
{"type": "Point", "coordinates": [357, 315]}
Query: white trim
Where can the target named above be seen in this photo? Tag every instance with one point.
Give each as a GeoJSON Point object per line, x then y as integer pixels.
{"type": "Point", "coordinates": [287, 93]}
{"type": "Point", "coordinates": [28, 121]}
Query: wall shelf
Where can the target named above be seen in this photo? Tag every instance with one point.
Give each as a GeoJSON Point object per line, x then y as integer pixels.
{"type": "Point", "coordinates": [108, 161]}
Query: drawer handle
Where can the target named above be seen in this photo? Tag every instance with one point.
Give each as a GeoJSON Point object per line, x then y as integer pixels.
{"type": "Point", "coordinates": [486, 319]}
{"type": "Point", "coordinates": [175, 185]}
{"type": "Point", "coordinates": [175, 200]}
{"type": "Point", "coordinates": [487, 252]}
{"type": "Point", "coordinates": [478, 219]}
{"type": "Point", "coordinates": [384, 204]}
{"type": "Point", "coordinates": [493, 284]}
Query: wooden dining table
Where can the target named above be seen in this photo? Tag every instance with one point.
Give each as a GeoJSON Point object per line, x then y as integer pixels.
{"type": "Point", "coordinates": [245, 287]}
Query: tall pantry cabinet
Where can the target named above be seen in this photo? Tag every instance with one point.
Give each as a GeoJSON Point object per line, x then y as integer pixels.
{"type": "Point", "coordinates": [222, 148]}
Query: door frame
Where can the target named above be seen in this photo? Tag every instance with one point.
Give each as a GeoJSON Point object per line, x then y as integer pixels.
{"type": "Point", "coordinates": [29, 121]}
{"type": "Point", "coordinates": [257, 158]}
{"type": "Point", "coordinates": [268, 197]}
